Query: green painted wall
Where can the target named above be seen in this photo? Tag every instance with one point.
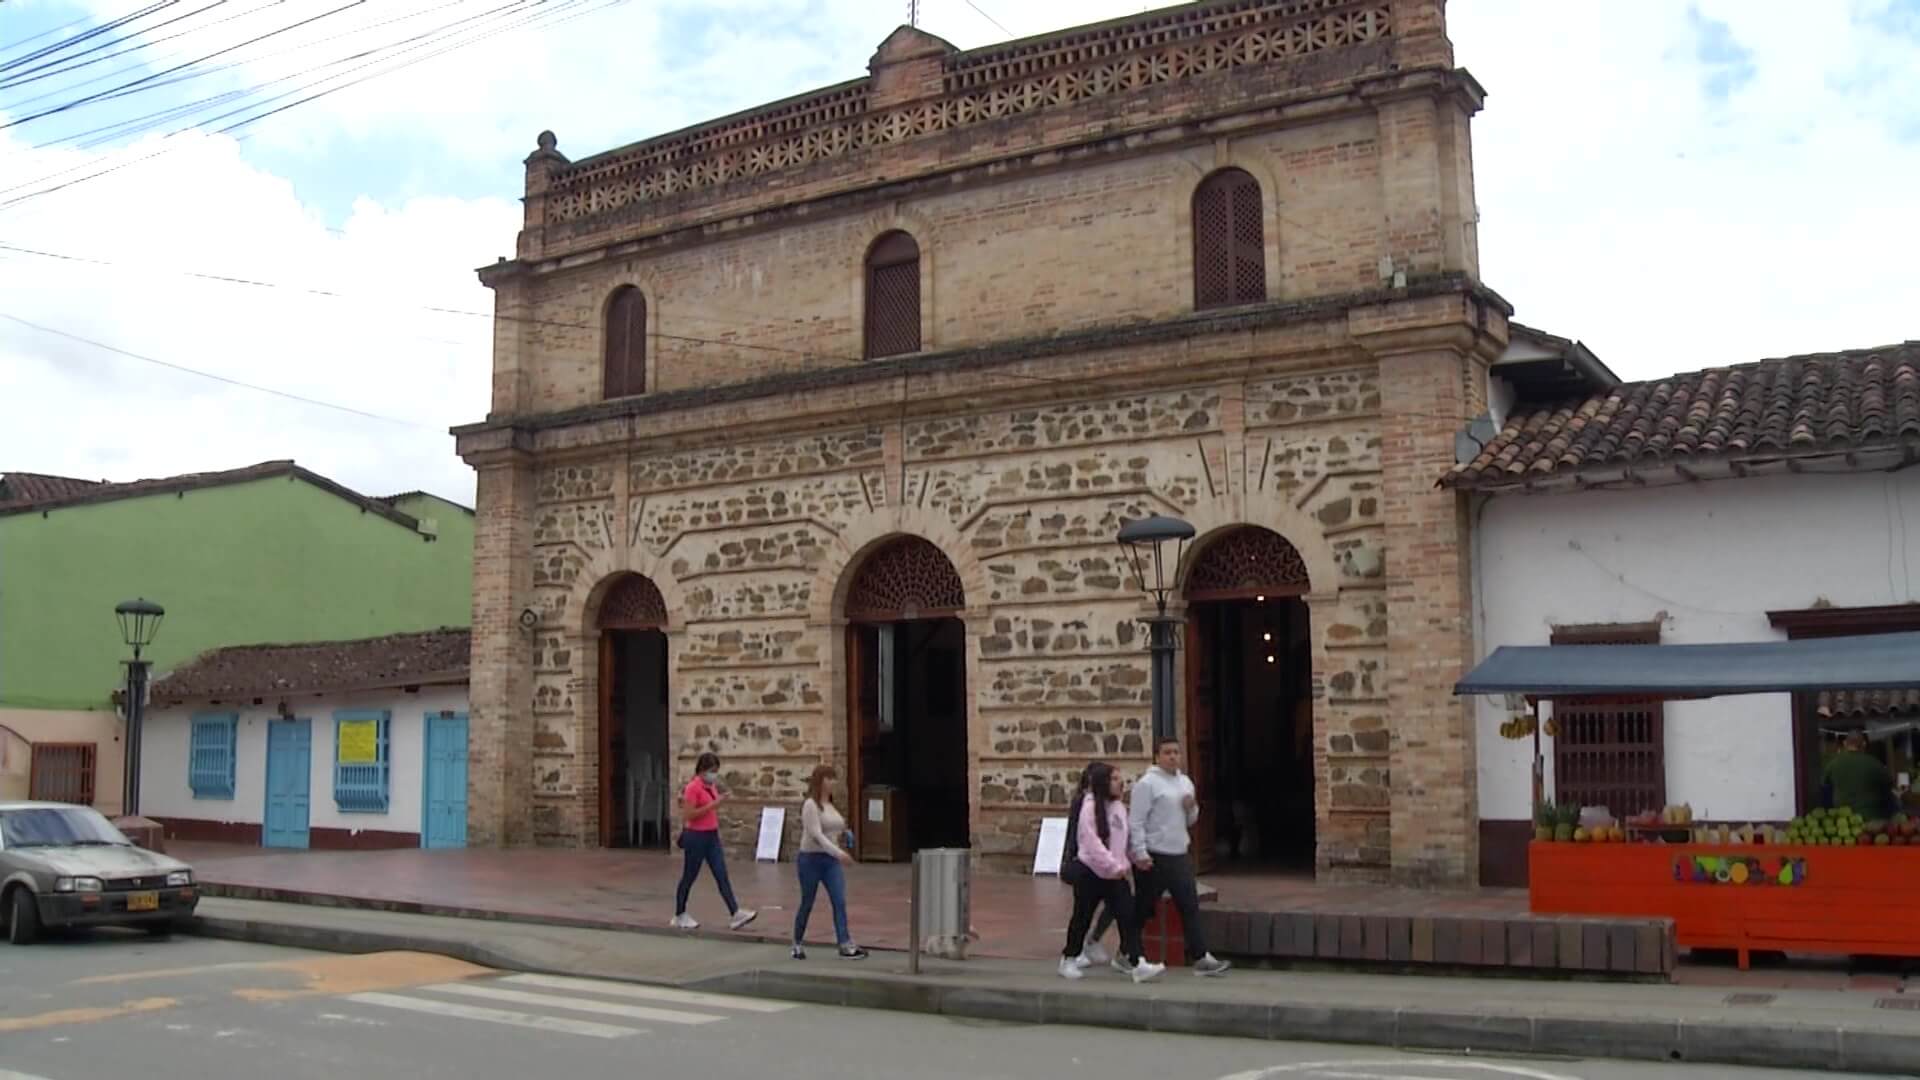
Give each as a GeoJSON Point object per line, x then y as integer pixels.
{"type": "Point", "coordinates": [271, 560]}
{"type": "Point", "coordinates": [455, 521]}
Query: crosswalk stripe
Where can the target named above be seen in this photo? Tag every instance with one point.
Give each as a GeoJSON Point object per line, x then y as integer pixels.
{"type": "Point", "coordinates": [554, 1001]}
{"type": "Point", "coordinates": [651, 993]}
{"type": "Point", "coordinates": [496, 1016]}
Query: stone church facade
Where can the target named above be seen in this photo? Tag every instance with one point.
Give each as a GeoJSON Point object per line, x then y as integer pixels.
{"type": "Point", "coordinates": [906, 352]}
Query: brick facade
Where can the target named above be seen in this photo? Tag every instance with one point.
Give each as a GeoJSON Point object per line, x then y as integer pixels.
{"type": "Point", "coordinates": [1065, 384]}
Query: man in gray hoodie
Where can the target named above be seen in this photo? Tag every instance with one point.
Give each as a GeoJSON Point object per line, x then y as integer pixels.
{"type": "Point", "coordinates": [1162, 812]}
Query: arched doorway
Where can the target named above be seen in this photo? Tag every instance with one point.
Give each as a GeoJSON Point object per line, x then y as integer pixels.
{"type": "Point", "coordinates": [635, 772]}
{"type": "Point", "coordinates": [1249, 701]}
{"type": "Point", "coordinates": [907, 700]}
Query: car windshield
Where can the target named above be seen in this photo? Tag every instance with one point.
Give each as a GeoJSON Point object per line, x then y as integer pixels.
{"type": "Point", "coordinates": [57, 826]}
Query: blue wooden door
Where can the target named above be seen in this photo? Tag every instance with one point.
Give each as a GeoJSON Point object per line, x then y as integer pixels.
{"type": "Point", "coordinates": [443, 802]}
{"type": "Point", "coordinates": [289, 782]}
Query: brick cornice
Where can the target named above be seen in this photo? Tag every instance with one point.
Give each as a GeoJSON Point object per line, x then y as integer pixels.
{"type": "Point", "coordinates": [678, 230]}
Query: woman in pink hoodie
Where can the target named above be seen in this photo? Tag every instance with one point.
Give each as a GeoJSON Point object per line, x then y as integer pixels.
{"type": "Point", "coordinates": [1102, 876]}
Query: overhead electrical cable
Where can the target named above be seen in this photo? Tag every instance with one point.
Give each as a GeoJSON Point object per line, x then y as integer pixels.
{"type": "Point", "coordinates": [90, 98]}
{"type": "Point", "coordinates": [86, 35]}
{"type": "Point", "coordinates": [533, 20]}
{"type": "Point", "coordinates": [62, 65]}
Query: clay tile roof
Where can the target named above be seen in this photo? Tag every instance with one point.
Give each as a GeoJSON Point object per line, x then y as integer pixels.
{"type": "Point", "coordinates": [82, 492]}
{"type": "Point", "coordinates": [1855, 704]}
{"type": "Point", "coordinates": [1781, 408]}
{"type": "Point", "coordinates": [432, 657]}
{"type": "Point", "coordinates": [26, 487]}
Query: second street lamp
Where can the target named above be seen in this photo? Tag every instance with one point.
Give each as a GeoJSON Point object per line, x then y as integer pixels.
{"type": "Point", "coordinates": [139, 622]}
{"type": "Point", "coordinates": [1146, 543]}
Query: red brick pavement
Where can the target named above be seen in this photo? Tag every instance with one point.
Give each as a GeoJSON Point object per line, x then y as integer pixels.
{"type": "Point", "coordinates": [1016, 917]}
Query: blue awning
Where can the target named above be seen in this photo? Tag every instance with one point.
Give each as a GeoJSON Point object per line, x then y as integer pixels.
{"type": "Point", "coordinates": [1866, 662]}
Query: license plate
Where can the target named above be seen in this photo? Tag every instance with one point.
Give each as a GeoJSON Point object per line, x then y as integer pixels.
{"type": "Point", "coordinates": [143, 901]}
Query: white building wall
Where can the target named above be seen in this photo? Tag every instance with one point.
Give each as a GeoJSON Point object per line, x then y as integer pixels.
{"type": "Point", "coordinates": [167, 732]}
{"type": "Point", "coordinates": [1709, 561]}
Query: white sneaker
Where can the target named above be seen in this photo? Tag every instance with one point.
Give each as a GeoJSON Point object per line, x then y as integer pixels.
{"type": "Point", "coordinates": [684, 921]}
{"type": "Point", "coordinates": [1083, 961]}
{"type": "Point", "coordinates": [1097, 953]}
{"type": "Point", "coordinates": [742, 918]}
{"type": "Point", "coordinates": [1147, 971]}
{"type": "Point", "coordinates": [1208, 967]}
{"type": "Point", "coordinates": [1119, 964]}
{"type": "Point", "coordinates": [1069, 969]}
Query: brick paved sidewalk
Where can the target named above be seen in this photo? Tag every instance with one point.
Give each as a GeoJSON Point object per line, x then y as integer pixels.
{"type": "Point", "coordinates": [1017, 917]}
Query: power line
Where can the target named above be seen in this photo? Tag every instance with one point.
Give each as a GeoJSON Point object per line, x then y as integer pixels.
{"type": "Point", "coordinates": [66, 63]}
{"type": "Point", "coordinates": [805, 354]}
{"type": "Point", "coordinates": [527, 21]}
{"type": "Point", "coordinates": [76, 103]}
{"type": "Point", "coordinates": [991, 19]}
{"type": "Point", "coordinates": [86, 35]}
{"type": "Point", "coordinates": [215, 377]}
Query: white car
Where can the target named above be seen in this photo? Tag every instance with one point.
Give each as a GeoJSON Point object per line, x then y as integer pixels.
{"type": "Point", "coordinates": [64, 865]}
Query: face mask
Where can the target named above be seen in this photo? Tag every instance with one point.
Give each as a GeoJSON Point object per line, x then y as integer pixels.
{"type": "Point", "coordinates": [711, 776]}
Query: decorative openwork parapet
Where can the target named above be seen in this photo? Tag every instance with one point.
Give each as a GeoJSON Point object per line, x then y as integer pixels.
{"type": "Point", "coordinates": [979, 86]}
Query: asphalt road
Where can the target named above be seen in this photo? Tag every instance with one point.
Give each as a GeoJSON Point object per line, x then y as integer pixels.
{"type": "Point", "coordinates": [110, 1005]}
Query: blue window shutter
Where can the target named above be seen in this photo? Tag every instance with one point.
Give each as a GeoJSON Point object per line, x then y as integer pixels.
{"type": "Point", "coordinates": [210, 755]}
{"type": "Point", "coordinates": [362, 787]}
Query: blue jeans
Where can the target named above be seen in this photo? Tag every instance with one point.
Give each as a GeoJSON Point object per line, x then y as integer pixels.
{"type": "Point", "coordinates": [817, 868]}
{"type": "Point", "coordinates": [703, 847]}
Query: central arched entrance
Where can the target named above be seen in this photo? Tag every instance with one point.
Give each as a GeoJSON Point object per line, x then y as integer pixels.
{"type": "Point", "coordinates": [907, 701]}
{"type": "Point", "coordinates": [1250, 702]}
{"type": "Point", "coordinates": [635, 773]}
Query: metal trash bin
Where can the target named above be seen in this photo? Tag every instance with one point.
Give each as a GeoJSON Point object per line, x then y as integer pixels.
{"type": "Point", "coordinates": [942, 903]}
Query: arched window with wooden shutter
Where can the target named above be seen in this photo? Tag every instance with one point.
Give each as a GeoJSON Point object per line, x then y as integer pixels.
{"type": "Point", "coordinates": [624, 371]}
{"type": "Point", "coordinates": [1229, 241]}
{"type": "Point", "coordinates": [893, 296]}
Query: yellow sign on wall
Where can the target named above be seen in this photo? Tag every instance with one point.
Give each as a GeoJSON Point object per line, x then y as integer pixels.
{"type": "Point", "coordinates": [359, 742]}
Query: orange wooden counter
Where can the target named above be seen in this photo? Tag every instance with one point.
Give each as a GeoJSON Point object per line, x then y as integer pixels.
{"type": "Point", "coordinates": [1790, 898]}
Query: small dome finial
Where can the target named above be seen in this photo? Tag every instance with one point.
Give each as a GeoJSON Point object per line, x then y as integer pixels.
{"type": "Point", "coordinates": [546, 141]}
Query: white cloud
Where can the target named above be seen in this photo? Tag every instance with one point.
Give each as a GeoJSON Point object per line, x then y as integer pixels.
{"type": "Point", "coordinates": [1621, 204]}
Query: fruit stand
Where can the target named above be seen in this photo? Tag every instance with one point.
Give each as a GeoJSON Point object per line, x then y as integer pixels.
{"type": "Point", "coordinates": [1826, 882]}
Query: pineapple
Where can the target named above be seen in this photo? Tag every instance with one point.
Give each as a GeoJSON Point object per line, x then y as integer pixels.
{"type": "Point", "coordinates": [1566, 816]}
{"type": "Point", "coordinates": [1543, 820]}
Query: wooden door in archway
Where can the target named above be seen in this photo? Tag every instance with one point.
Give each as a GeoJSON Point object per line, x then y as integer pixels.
{"type": "Point", "coordinates": [635, 775]}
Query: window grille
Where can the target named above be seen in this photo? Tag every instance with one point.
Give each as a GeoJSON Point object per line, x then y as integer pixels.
{"type": "Point", "coordinates": [360, 760]}
{"type": "Point", "coordinates": [1229, 241]}
{"type": "Point", "coordinates": [210, 755]}
{"type": "Point", "coordinates": [893, 296]}
{"type": "Point", "coordinates": [625, 370]}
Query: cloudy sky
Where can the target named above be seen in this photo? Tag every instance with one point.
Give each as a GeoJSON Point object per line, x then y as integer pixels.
{"type": "Point", "coordinates": [1677, 184]}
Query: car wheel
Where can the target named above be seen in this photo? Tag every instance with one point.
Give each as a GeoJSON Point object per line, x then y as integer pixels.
{"type": "Point", "coordinates": [23, 923]}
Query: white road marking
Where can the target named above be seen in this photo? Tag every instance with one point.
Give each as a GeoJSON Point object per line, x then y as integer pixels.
{"type": "Point", "coordinates": [9, 1074]}
{"type": "Point", "coordinates": [651, 993]}
{"type": "Point", "coordinates": [554, 1001]}
{"type": "Point", "coordinates": [494, 1016]}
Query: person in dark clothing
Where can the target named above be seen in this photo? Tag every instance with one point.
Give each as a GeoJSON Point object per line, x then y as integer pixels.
{"type": "Point", "coordinates": [1859, 780]}
{"type": "Point", "coordinates": [1071, 868]}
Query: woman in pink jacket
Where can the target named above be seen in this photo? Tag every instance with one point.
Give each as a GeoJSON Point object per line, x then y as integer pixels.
{"type": "Point", "coordinates": [1101, 876]}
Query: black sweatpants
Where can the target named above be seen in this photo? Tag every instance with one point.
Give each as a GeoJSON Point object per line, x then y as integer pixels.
{"type": "Point", "coordinates": [1089, 892]}
{"type": "Point", "coordinates": [1170, 874]}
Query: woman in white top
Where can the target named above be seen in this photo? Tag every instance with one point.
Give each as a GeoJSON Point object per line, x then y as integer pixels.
{"type": "Point", "coordinates": [822, 860]}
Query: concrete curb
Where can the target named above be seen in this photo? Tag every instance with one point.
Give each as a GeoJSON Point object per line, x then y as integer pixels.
{"type": "Point", "coordinates": [1808, 1047]}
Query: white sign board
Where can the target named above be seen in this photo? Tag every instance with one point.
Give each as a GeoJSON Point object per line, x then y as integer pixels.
{"type": "Point", "coordinates": [1052, 846]}
{"type": "Point", "coordinates": [876, 810]}
{"type": "Point", "coordinates": [773, 820]}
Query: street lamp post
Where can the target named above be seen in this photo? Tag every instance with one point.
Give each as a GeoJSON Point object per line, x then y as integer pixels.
{"type": "Point", "coordinates": [139, 621]}
{"type": "Point", "coordinates": [1145, 542]}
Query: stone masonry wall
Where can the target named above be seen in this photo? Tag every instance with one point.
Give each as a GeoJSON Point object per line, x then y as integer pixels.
{"type": "Point", "coordinates": [741, 537]}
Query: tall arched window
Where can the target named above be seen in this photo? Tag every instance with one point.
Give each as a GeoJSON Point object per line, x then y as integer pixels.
{"type": "Point", "coordinates": [1229, 241]}
{"type": "Point", "coordinates": [624, 371]}
{"type": "Point", "coordinates": [893, 296]}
